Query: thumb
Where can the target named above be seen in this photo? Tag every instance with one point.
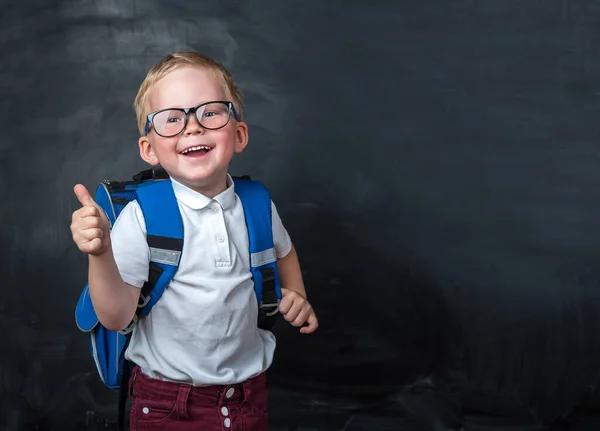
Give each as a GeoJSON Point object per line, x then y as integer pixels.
{"type": "Point", "coordinates": [83, 195]}
{"type": "Point", "coordinates": [311, 325]}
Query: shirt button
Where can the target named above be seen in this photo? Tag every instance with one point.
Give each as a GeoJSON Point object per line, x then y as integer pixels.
{"type": "Point", "coordinates": [215, 209]}
{"type": "Point", "coordinates": [227, 422]}
{"type": "Point", "coordinates": [220, 238]}
{"type": "Point", "coordinates": [224, 411]}
{"type": "Point", "coordinates": [229, 392]}
{"type": "Point", "coordinates": [146, 410]}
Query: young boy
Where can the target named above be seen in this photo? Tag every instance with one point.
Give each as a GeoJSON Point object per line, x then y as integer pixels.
{"type": "Point", "coordinates": [200, 359]}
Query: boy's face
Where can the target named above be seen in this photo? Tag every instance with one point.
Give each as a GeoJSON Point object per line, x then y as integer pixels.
{"type": "Point", "coordinates": [203, 171]}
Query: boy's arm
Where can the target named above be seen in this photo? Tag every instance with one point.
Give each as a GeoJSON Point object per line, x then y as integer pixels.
{"type": "Point", "coordinates": [294, 305]}
{"type": "Point", "coordinates": [114, 300]}
{"type": "Point", "coordinates": [288, 265]}
{"type": "Point", "coordinates": [290, 274]}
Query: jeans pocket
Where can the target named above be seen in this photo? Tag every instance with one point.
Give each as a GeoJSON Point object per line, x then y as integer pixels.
{"type": "Point", "coordinates": [255, 419]}
{"type": "Point", "coordinates": [151, 411]}
{"type": "Point", "coordinates": [257, 400]}
{"type": "Point", "coordinates": [258, 411]}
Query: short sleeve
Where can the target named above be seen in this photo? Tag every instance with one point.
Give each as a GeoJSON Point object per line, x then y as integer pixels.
{"type": "Point", "coordinates": [281, 238]}
{"type": "Point", "coordinates": [129, 245]}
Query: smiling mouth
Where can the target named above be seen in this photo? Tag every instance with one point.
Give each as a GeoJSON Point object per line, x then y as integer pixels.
{"type": "Point", "coordinates": [199, 150]}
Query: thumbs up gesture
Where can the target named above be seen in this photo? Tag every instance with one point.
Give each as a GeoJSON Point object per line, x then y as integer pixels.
{"type": "Point", "coordinates": [89, 225]}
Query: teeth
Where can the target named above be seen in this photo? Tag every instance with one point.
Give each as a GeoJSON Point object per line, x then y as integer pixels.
{"type": "Point", "coordinates": [201, 147]}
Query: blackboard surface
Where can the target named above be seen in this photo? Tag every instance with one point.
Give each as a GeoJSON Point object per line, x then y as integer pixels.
{"type": "Point", "coordinates": [436, 163]}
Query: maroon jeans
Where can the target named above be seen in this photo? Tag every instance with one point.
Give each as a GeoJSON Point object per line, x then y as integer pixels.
{"type": "Point", "coordinates": [159, 405]}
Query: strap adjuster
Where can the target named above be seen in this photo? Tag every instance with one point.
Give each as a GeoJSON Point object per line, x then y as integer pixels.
{"type": "Point", "coordinates": [129, 327]}
{"type": "Point", "coordinates": [268, 278]}
{"type": "Point", "coordinates": [272, 306]}
{"type": "Point", "coordinates": [143, 300]}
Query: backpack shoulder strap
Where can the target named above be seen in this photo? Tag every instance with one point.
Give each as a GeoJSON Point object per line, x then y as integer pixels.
{"type": "Point", "coordinates": [256, 202]}
{"type": "Point", "coordinates": [164, 233]}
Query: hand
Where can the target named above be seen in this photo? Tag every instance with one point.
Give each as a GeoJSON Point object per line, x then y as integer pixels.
{"type": "Point", "coordinates": [298, 311]}
{"type": "Point", "coordinates": [89, 225]}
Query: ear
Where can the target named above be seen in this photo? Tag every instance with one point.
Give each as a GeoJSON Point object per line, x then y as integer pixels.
{"type": "Point", "coordinates": [241, 136]}
{"type": "Point", "coordinates": [146, 151]}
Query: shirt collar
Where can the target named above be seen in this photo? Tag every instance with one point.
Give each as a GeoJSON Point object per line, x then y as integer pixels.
{"type": "Point", "coordinates": [198, 201]}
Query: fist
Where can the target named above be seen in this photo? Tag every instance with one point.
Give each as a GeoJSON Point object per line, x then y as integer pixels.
{"type": "Point", "coordinates": [89, 225]}
{"type": "Point", "coordinates": [297, 310]}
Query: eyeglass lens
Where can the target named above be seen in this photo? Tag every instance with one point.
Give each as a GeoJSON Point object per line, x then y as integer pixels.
{"type": "Point", "coordinates": [210, 116]}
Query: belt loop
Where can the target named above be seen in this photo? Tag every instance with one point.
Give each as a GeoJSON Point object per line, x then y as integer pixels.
{"type": "Point", "coordinates": [181, 402]}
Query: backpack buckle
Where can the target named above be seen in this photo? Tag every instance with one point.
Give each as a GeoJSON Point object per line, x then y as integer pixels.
{"type": "Point", "coordinates": [143, 300]}
{"type": "Point", "coordinates": [129, 327]}
{"type": "Point", "coordinates": [270, 309]}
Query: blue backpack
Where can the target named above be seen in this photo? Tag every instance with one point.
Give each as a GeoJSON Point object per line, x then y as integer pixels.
{"type": "Point", "coordinates": [153, 191]}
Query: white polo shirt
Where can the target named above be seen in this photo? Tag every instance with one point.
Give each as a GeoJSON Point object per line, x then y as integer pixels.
{"type": "Point", "coordinates": [203, 330]}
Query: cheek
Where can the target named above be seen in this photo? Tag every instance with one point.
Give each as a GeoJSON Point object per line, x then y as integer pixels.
{"type": "Point", "coordinates": [228, 132]}
{"type": "Point", "coordinates": [226, 141]}
{"type": "Point", "coordinates": [162, 145]}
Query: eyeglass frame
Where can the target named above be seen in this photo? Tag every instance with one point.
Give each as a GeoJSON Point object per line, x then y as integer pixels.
{"type": "Point", "coordinates": [186, 112]}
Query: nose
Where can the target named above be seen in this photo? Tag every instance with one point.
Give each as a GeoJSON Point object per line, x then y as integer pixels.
{"type": "Point", "coordinates": [192, 127]}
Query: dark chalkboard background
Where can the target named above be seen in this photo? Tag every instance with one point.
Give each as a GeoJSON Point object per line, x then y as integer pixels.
{"type": "Point", "coordinates": [436, 162]}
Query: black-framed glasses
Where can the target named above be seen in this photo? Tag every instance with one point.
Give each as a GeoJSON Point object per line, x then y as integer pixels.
{"type": "Point", "coordinates": [172, 121]}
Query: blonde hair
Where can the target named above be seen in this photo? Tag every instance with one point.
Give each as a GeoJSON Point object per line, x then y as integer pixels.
{"type": "Point", "coordinates": [178, 60]}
